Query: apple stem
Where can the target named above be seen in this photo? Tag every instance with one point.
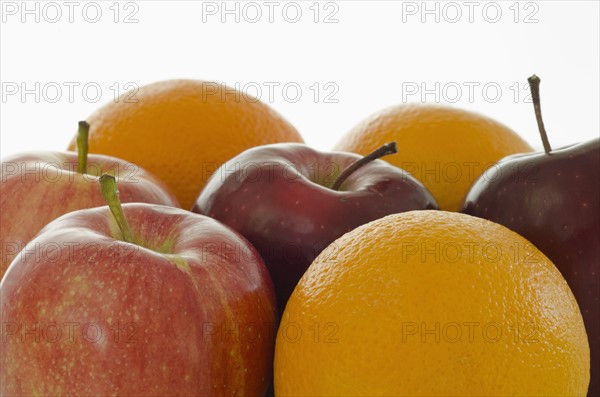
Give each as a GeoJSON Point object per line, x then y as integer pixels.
{"type": "Point", "coordinates": [82, 146]}
{"type": "Point", "coordinates": [108, 185]}
{"type": "Point", "coordinates": [534, 85]}
{"type": "Point", "coordinates": [388, 148]}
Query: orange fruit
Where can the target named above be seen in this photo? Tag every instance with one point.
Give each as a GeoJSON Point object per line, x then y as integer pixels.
{"type": "Point", "coordinates": [183, 130]}
{"type": "Point", "coordinates": [431, 303]}
{"type": "Point", "coordinates": [445, 148]}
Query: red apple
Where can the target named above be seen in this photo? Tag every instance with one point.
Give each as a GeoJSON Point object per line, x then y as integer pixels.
{"type": "Point", "coordinates": [291, 201]}
{"type": "Point", "coordinates": [153, 301]}
{"type": "Point", "coordinates": [38, 187]}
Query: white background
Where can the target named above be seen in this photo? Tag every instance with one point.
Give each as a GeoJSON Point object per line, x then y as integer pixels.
{"type": "Point", "coordinates": [371, 55]}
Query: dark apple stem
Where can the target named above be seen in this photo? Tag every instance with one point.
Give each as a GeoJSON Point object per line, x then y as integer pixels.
{"type": "Point", "coordinates": [534, 85]}
{"type": "Point", "coordinates": [108, 184]}
{"type": "Point", "coordinates": [82, 146]}
{"type": "Point", "coordinates": [388, 148]}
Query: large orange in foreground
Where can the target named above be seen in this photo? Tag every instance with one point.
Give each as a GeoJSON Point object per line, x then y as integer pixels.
{"type": "Point", "coordinates": [432, 303]}
{"type": "Point", "coordinates": [446, 148]}
{"type": "Point", "coordinates": [183, 130]}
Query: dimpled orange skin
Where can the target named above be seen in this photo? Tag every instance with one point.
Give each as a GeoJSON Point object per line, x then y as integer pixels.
{"type": "Point", "coordinates": [373, 302]}
{"type": "Point", "coordinates": [445, 148]}
{"type": "Point", "coordinates": [183, 130]}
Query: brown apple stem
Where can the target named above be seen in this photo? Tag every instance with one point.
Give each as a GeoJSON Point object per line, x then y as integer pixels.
{"type": "Point", "coordinates": [388, 148]}
{"type": "Point", "coordinates": [110, 192]}
{"type": "Point", "coordinates": [82, 146]}
{"type": "Point", "coordinates": [534, 85]}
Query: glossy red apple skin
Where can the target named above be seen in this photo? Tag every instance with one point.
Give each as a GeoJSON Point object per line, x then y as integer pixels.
{"type": "Point", "coordinates": [277, 197]}
{"type": "Point", "coordinates": [38, 187]}
{"type": "Point", "coordinates": [177, 323]}
{"type": "Point", "coordinates": [553, 200]}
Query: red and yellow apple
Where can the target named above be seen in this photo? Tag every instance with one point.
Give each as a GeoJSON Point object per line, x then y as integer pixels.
{"type": "Point", "coordinates": [38, 187]}
{"type": "Point", "coordinates": [150, 301]}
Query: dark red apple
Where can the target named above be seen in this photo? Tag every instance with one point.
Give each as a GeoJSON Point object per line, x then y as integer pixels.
{"type": "Point", "coordinates": [553, 199]}
{"type": "Point", "coordinates": [291, 201]}
{"type": "Point", "coordinates": [154, 301]}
